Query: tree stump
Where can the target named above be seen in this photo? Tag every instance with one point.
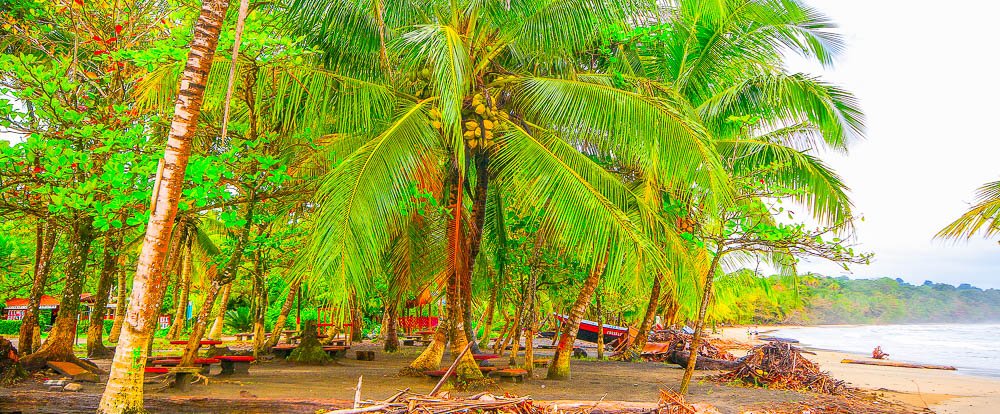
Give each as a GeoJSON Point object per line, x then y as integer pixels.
{"type": "Point", "coordinates": [11, 370]}
{"type": "Point", "coordinates": [309, 351]}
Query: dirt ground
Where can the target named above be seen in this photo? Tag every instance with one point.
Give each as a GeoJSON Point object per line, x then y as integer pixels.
{"type": "Point", "coordinates": [278, 386]}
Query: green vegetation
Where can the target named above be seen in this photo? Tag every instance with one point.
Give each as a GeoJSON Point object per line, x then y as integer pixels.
{"type": "Point", "coordinates": [814, 299]}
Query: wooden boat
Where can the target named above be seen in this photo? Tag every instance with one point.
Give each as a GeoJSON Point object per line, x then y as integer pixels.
{"type": "Point", "coordinates": [589, 330]}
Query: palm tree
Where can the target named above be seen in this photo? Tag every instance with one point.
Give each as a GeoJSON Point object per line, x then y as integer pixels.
{"type": "Point", "coordinates": [981, 218]}
{"type": "Point", "coordinates": [488, 97]}
{"type": "Point", "coordinates": [124, 389]}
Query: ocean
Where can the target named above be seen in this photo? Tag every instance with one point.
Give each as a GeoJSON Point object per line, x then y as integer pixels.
{"type": "Point", "coordinates": [972, 348]}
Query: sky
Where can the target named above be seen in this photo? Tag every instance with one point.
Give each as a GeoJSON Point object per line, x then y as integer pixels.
{"type": "Point", "coordinates": [926, 74]}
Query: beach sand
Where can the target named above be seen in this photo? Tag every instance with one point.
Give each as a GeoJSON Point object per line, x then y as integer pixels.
{"type": "Point", "coordinates": [941, 391]}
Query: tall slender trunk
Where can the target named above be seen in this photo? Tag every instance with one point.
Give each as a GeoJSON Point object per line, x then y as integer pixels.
{"type": "Point", "coordinates": [647, 319]}
{"type": "Point", "coordinates": [220, 317]}
{"type": "Point", "coordinates": [260, 305]}
{"type": "Point", "coordinates": [121, 306]}
{"type": "Point", "coordinates": [109, 266]}
{"type": "Point", "coordinates": [490, 310]}
{"type": "Point", "coordinates": [357, 321]}
{"type": "Point", "coordinates": [59, 346]}
{"type": "Point", "coordinates": [183, 288]}
{"type": "Point", "coordinates": [706, 298]}
{"type": "Point", "coordinates": [600, 324]}
{"type": "Point", "coordinates": [475, 236]}
{"type": "Point", "coordinates": [45, 244]}
{"type": "Point", "coordinates": [458, 270]}
{"type": "Point", "coordinates": [531, 320]}
{"type": "Point", "coordinates": [286, 307]}
{"type": "Point", "coordinates": [559, 368]}
{"type": "Point", "coordinates": [228, 275]}
{"type": "Point", "coordinates": [124, 388]}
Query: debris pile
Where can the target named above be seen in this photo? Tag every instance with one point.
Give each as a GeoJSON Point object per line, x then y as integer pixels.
{"type": "Point", "coordinates": [859, 402]}
{"type": "Point", "coordinates": [781, 365]}
{"type": "Point", "coordinates": [661, 345]}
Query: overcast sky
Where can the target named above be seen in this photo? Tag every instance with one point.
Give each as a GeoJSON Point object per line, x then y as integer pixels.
{"type": "Point", "coordinates": [927, 77]}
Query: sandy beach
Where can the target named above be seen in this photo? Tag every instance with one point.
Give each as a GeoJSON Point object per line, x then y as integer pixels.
{"type": "Point", "coordinates": [941, 391]}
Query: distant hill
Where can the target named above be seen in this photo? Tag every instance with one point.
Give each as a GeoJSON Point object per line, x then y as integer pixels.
{"type": "Point", "coordinates": [815, 299]}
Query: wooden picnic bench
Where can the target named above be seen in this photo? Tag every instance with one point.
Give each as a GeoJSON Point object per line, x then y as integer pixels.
{"type": "Point", "coordinates": [515, 374]}
{"type": "Point", "coordinates": [335, 350]}
{"type": "Point", "coordinates": [205, 364]}
{"type": "Point", "coordinates": [247, 336]}
{"type": "Point", "coordinates": [283, 350]}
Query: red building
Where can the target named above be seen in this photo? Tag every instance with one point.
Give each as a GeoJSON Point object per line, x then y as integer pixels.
{"type": "Point", "coordinates": [15, 308]}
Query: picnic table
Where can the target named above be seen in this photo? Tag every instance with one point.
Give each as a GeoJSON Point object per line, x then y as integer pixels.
{"type": "Point", "coordinates": [203, 342]}
{"type": "Point", "coordinates": [425, 335]}
{"type": "Point", "coordinates": [288, 334]}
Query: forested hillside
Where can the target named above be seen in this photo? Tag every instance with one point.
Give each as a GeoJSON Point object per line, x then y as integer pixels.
{"type": "Point", "coordinates": [814, 299]}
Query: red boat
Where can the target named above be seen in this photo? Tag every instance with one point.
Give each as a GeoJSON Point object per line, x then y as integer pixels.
{"type": "Point", "coordinates": [589, 330]}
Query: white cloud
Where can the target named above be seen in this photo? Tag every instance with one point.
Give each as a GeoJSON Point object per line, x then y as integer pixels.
{"type": "Point", "coordinates": [926, 77]}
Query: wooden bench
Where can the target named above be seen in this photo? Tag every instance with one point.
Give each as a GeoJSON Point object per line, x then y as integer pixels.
{"type": "Point", "coordinates": [244, 336]}
{"type": "Point", "coordinates": [335, 350]}
{"type": "Point", "coordinates": [515, 374]}
{"type": "Point", "coordinates": [542, 362]}
{"type": "Point", "coordinates": [415, 341]}
{"type": "Point", "coordinates": [283, 350]}
{"type": "Point", "coordinates": [205, 364]}
{"type": "Point", "coordinates": [235, 364]}
{"type": "Point", "coordinates": [183, 376]}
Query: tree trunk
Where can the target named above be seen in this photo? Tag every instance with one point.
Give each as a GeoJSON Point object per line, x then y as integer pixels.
{"type": "Point", "coordinates": [260, 306]}
{"type": "Point", "coordinates": [475, 236]}
{"type": "Point", "coordinates": [184, 286]}
{"type": "Point", "coordinates": [59, 346]}
{"type": "Point", "coordinates": [123, 393]}
{"type": "Point", "coordinates": [220, 318]}
{"type": "Point", "coordinates": [600, 324]}
{"type": "Point", "coordinates": [559, 368]}
{"type": "Point", "coordinates": [120, 306]}
{"type": "Point", "coordinates": [430, 358]}
{"type": "Point", "coordinates": [95, 332]}
{"type": "Point", "coordinates": [309, 351]}
{"type": "Point", "coordinates": [228, 275]}
{"type": "Point", "coordinates": [530, 323]}
{"type": "Point", "coordinates": [706, 298]}
{"type": "Point", "coordinates": [390, 322]}
{"type": "Point", "coordinates": [458, 270]}
{"type": "Point", "coordinates": [647, 320]}
{"type": "Point", "coordinates": [357, 322]}
{"type": "Point", "coordinates": [286, 307]}
{"type": "Point", "coordinates": [490, 310]}
{"type": "Point", "coordinates": [45, 244]}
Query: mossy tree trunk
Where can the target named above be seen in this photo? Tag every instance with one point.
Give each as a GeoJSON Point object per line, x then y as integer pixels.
{"type": "Point", "coordinates": [309, 351]}
{"type": "Point", "coordinates": [121, 305]}
{"type": "Point", "coordinates": [109, 267]}
{"type": "Point", "coordinates": [286, 307]}
{"type": "Point", "coordinates": [44, 246]}
{"type": "Point", "coordinates": [391, 324]}
{"type": "Point", "coordinates": [59, 346]}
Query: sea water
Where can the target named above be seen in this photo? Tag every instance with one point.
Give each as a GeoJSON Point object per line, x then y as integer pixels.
{"type": "Point", "coordinates": [974, 348]}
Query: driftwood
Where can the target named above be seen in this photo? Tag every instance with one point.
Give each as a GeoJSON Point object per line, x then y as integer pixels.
{"type": "Point", "coordinates": [704, 363]}
{"type": "Point", "coordinates": [43, 402]}
{"type": "Point", "coordinates": [897, 364]}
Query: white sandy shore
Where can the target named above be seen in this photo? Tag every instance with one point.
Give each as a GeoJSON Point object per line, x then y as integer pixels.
{"type": "Point", "coordinates": [941, 391]}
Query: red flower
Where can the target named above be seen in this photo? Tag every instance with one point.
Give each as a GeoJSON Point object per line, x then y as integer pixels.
{"type": "Point", "coordinates": [113, 39]}
{"type": "Point", "coordinates": [118, 29]}
{"type": "Point", "coordinates": [97, 38]}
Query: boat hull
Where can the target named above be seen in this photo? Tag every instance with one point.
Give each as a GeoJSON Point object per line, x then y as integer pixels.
{"type": "Point", "coordinates": [589, 331]}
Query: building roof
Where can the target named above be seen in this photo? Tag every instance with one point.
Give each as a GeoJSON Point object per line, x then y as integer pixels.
{"type": "Point", "coordinates": [48, 302]}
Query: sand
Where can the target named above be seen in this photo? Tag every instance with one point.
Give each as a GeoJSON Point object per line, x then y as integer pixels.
{"type": "Point", "coordinates": [942, 391]}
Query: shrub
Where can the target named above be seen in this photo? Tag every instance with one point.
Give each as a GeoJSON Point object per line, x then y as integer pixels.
{"type": "Point", "coordinates": [10, 327]}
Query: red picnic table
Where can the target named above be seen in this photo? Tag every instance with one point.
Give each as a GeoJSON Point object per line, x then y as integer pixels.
{"type": "Point", "coordinates": [485, 357]}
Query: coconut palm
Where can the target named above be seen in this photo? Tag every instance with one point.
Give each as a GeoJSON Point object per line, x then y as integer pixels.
{"type": "Point", "coordinates": [492, 96]}
{"type": "Point", "coordinates": [980, 219]}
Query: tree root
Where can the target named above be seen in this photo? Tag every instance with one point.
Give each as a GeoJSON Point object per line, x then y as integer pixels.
{"type": "Point", "coordinates": [37, 361]}
{"type": "Point", "coordinates": [409, 371]}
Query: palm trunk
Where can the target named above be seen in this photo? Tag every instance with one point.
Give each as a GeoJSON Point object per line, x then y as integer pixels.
{"type": "Point", "coordinates": [391, 320]}
{"type": "Point", "coordinates": [95, 332]}
{"type": "Point", "coordinates": [286, 307]}
{"type": "Point", "coordinates": [467, 368]}
{"type": "Point", "coordinates": [220, 318]}
{"type": "Point", "coordinates": [260, 306]}
{"type": "Point", "coordinates": [600, 324]}
{"type": "Point", "coordinates": [120, 306]}
{"type": "Point", "coordinates": [184, 288]}
{"type": "Point", "coordinates": [490, 310]}
{"type": "Point", "coordinates": [228, 275]}
{"type": "Point", "coordinates": [530, 323]}
{"type": "Point", "coordinates": [124, 388]}
{"type": "Point", "coordinates": [475, 243]}
{"type": "Point", "coordinates": [59, 346]}
{"type": "Point", "coordinates": [559, 368]}
{"type": "Point", "coordinates": [706, 298]}
{"type": "Point", "coordinates": [430, 358]}
{"type": "Point", "coordinates": [45, 244]}
{"type": "Point", "coordinates": [647, 320]}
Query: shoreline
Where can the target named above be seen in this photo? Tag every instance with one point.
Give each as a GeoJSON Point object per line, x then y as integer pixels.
{"type": "Point", "coordinates": [941, 391]}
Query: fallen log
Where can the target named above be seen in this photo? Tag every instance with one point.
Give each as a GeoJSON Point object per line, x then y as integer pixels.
{"type": "Point", "coordinates": [704, 363]}
{"type": "Point", "coordinates": [897, 364]}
